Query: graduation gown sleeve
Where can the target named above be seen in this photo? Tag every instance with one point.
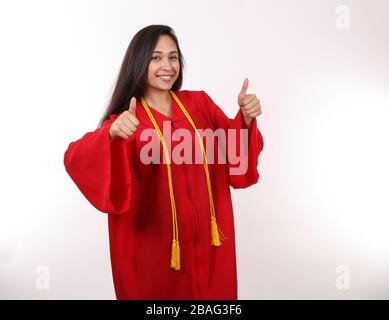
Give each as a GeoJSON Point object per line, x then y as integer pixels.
{"type": "Point", "coordinates": [100, 168]}
{"type": "Point", "coordinates": [255, 141]}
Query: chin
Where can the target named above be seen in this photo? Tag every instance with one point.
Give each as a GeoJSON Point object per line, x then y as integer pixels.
{"type": "Point", "coordinates": [165, 87]}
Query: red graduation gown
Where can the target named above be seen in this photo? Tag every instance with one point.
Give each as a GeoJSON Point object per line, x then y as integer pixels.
{"type": "Point", "coordinates": [136, 197]}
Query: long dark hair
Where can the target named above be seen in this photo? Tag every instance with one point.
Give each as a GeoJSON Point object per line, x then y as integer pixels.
{"type": "Point", "coordinates": [132, 76]}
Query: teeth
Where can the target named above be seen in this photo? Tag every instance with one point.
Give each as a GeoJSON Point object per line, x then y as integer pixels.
{"type": "Point", "coordinates": [165, 77]}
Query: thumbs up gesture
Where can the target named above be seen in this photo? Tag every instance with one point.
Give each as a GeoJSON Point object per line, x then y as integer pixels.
{"type": "Point", "coordinates": [249, 104]}
{"type": "Point", "coordinates": [125, 125]}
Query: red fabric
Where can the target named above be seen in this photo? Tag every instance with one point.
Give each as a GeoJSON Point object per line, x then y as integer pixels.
{"type": "Point", "coordinates": [136, 198]}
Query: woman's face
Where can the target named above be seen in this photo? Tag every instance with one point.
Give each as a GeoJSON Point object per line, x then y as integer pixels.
{"type": "Point", "coordinates": [164, 62]}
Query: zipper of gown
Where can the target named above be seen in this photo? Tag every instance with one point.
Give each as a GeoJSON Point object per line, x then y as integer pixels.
{"type": "Point", "coordinates": [196, 226]}
{"type": "Point", "coordinates": [197, 237]}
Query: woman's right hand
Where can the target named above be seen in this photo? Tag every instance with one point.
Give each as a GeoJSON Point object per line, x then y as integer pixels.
{"type": "Point", "coordinates": [125, 125]}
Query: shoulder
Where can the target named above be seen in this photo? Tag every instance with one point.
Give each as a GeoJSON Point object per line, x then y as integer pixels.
{"type": "Point", "coordinates": [189, 94]}
{"type": "Point", "coordinates": [197, 98]}
{"type": "Point", "coordinates": [192, 94]}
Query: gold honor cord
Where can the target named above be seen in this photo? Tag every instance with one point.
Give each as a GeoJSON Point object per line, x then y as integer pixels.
{"type": "Point", "coordinates": [215, 241]}
{"type": "Point", "coordinates": [175, 254]}
{"type": "Point", "coordinates": [214, 228]}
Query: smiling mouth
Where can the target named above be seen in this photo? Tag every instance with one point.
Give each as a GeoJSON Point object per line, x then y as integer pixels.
{"type": "Point", "coordinates": [165, 77]}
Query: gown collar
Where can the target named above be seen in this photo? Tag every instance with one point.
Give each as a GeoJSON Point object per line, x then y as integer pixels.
{"type": "Point", "coordinates": [176, 113]}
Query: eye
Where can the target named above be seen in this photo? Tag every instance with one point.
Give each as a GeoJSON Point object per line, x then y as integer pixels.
{"type": "Point", "coordinates": [157, 57]}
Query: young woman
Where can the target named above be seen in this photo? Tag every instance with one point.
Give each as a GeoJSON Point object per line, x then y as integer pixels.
{"type": "Point", "coordinates": [171, 226]}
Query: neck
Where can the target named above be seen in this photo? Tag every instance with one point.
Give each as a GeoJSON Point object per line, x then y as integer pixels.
{"type": "Point", "coordinates": [158, 97]}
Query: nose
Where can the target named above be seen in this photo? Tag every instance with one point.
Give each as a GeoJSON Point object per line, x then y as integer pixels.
{"type": "Point", "coordinates": [167, 64]}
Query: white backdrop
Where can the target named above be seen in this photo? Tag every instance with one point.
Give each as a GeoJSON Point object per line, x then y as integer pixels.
{"type": "Point", "coordinates": [315, 226]}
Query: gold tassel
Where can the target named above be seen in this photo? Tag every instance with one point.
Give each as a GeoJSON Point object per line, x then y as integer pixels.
{"type": "Point", "coordinates": [215, 233]}
{"type": "Point", "coordinates": [178, 264]}
{"type": "Point", "coordinates": [175, 257]}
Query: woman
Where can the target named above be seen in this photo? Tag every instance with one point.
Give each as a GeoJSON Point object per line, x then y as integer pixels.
{"type": "Point", "coordinates": [170, 217]}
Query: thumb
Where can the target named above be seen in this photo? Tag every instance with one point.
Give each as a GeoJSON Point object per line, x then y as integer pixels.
{"type": "Point", "coordinates": [132, 107]}
{"type": "Point", "coordinates": [244, 87]}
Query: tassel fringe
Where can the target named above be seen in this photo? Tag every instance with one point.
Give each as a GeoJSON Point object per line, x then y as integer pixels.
{"type": "Point", "coordinates": [175, 257]}
{"type": "Point", "coordinates": [215, 233]}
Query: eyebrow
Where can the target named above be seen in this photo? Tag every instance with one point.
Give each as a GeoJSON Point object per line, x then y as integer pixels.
{"type": "Point", "coordinates": [161, 51]}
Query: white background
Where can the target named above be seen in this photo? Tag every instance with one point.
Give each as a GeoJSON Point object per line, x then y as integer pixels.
{"type": "Point", "coordinates": [322, 199]}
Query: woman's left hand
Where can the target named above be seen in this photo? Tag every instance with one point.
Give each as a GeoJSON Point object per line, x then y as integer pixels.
{"type": "Point", "coordinates": [249, 104]}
